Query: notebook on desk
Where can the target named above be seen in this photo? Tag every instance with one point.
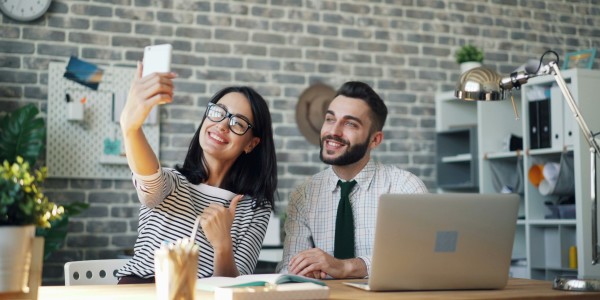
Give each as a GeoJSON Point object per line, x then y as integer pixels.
{"type": "Point", "coordinates": [442, 242]}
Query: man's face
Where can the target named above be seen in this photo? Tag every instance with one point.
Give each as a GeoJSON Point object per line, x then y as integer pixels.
{"type": "Point", "coordinates": [345, 135]}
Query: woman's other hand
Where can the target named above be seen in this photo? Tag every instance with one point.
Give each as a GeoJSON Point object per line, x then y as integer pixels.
{"type": "Point", "coordinates": [216, 221]}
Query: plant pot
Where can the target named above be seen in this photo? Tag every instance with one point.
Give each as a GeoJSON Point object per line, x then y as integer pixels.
{"type": "Point", "coordinates": [466, 66]}
{"type": "Point", "coordinates": [15, 246]}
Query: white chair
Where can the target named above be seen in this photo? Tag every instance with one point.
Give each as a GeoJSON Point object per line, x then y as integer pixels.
{"type": "Point", "coordinates": [93, 272]}
{"type": "Point", "coordinates": [272, 250]}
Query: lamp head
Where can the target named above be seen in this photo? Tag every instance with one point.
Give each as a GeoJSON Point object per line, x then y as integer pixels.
{"type": "Point", "coordinates": [480, 83]}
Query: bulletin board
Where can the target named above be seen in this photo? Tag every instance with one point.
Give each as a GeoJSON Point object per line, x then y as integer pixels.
{"type": "Point", "coordinates": [91, 146]}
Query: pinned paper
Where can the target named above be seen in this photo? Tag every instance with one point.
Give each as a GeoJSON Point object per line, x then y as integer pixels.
{"type": "Point", "coordinates": [84, 73]}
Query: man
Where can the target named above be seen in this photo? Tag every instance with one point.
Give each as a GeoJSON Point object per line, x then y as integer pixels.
{"type": "Point", "coordinates": [328, 232]}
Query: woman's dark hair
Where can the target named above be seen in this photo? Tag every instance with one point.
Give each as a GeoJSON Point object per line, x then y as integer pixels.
{"type": "Point", "coordinates": [253, 174]}
{"type": "Point", "coordinates": [361, 90]}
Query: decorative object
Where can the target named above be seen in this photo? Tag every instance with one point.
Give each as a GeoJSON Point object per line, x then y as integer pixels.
{"type": "Point", "coordinates": [583, 59]}
{"type": "Point", "coordinates": [24, 10]}
{"type": "Point", "coordinates": [469, 57]}
{"type": "Point", "coordinates": [23, 205]}
{"type": "Point", "coordinates": [310, 110]}
{"type": "Point", "coordinates": [485, 84]}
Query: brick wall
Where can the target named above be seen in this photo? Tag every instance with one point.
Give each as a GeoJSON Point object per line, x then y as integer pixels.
{"type": "Point", "coordinates": [403, 48]}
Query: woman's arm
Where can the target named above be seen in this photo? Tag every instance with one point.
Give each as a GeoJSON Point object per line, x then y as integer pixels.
{"type": "Point", "coordinates": [144, 94]}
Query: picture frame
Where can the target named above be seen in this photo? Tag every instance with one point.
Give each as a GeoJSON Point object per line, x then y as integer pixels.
{"type": "Point", "coordinates": [583, 59]}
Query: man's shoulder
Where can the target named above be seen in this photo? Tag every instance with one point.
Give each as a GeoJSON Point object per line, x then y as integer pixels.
{"type": "Point", "coordinates": [313, 182]}
{"type": "Point", "coordinates": [317, 178]}
{"type": "Point", "coordinates": [393, 170]}
{"type": "Point", "coordinates": [402, 178]}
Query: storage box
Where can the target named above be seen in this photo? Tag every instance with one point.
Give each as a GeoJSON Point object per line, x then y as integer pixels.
{"type": "Point", "coordinates": [566, 211]}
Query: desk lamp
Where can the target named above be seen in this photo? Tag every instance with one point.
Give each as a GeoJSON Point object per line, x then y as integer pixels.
{"type": "Point", "coordinates": [484, 84]}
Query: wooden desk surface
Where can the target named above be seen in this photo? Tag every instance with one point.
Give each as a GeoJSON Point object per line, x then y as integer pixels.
{"type": "Point", "coordinates": [516, 289]}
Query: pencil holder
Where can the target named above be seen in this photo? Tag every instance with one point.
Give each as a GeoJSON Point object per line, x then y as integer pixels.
{"type": "Point", "coordinates": [75, 111]}
{"type": "Point", "coordinates": [175, 268]}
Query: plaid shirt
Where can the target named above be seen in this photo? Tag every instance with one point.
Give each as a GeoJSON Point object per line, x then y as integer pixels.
{"type": "Point", "coordinates": [313, 206]}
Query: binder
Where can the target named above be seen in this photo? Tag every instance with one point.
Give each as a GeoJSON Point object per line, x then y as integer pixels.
{"type": "Point", "coordinates": [534, 133]}
{"type": "Point", "coordinates": [568, 123]}
{"type": "Point", "coordinates": [545, 125]}
{"type": "Point", "coordinates": [557, 118]}
{"type": "Point", "coordinates": [540, 126]}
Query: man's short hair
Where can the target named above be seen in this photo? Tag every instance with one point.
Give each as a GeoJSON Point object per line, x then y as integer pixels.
{"type": "Point", "coordinates": [361, 90]}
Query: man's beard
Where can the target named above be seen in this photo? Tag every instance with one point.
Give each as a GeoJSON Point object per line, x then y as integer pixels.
{"type": "Point", "coordinates": [352, 155]}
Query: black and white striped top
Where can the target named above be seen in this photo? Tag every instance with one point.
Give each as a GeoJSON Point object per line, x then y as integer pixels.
{"type": "Point", "coordinates": [169, 208]}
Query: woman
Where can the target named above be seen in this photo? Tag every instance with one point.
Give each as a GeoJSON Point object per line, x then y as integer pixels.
{"type": "Point", "coordinates": [228, 177]}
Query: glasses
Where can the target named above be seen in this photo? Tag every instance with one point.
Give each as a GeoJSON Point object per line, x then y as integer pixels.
{"type": "Point", "coordinates": [237, 124]}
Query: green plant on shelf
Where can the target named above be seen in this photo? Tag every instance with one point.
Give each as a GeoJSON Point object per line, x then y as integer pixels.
{"type": "Point", "coordinates": [468, 53]}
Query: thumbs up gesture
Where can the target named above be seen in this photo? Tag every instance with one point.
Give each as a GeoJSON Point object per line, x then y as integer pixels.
{"type": "Point", "coordinates": [216, 221]}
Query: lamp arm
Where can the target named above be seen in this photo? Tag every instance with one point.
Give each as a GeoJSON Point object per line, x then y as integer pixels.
{"type": "Point", "coordinates": [589, 137]}
{"type": "Point", "coordinates": [594, 150]}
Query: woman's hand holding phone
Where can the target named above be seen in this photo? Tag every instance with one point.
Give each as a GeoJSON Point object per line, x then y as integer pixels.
{"type": "Point", "coordinates": [152, 85]}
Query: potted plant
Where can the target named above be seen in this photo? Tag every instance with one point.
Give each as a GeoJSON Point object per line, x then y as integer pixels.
{"type": "Point", "coordinates": [468, 57]}
{"type": "Point", "coordinates": [23, 205]}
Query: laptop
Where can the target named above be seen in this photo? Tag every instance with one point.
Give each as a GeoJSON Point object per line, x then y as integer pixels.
{"type": "Point", "coordinates": [442, 242]}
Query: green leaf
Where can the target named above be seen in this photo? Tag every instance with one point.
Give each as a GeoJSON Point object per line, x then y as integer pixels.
{"type": "Point", "coordinates": [22, 134]}
{"type": "Point", "coordinates": [54, 237]}
{"type": "Point", "coordinates": [75, 208]}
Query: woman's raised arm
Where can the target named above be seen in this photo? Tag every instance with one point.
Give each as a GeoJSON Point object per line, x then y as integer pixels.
{"type": "Point", "coordinates": [144, 94]}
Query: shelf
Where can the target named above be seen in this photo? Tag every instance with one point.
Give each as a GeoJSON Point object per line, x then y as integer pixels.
{"type": "Point", "coordinates": [553, 222]}
{"type": "Point", "coordinates": [113, 160]}
{"type": "Point", "coordinates": [465, 157]}
{"type": "Point", "coordinates": [502, 155]}
{"type": "Point", "coordinates": [546, 151]}
{"type": "Point", "coordinates": [555, 269]}
{"type": "Point", "coordinates": [467, 186]}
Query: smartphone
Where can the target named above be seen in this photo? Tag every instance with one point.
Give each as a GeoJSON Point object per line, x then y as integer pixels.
{"type": "Point", "coordinates": [157, 58]}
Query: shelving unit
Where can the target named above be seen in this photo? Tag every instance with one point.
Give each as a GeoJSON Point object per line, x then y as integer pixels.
{"type": "Point", "coordinates": [543, 241]}
{"type": "Point", "coordinates": [456, 140]}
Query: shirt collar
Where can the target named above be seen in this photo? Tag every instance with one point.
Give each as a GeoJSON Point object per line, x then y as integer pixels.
{"type": "Point", "coordinates": [363, 178]}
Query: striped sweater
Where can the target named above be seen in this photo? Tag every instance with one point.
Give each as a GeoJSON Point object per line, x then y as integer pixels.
{"type": "Point", "coordinates": [169, 208]}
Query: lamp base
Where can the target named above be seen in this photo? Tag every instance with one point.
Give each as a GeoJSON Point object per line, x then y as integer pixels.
{"type": "Point", "coordinates": [575, 284]}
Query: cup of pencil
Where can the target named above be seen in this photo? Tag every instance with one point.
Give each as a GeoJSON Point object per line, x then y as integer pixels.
{"type": "Point", "coordinates": [175, 267]}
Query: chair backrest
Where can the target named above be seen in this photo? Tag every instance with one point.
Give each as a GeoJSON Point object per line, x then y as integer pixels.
{"type": "Point", "coordinates": [93, 272]}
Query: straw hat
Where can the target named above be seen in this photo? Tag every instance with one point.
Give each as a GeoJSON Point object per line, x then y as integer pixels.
{"type": "Point", "coordinates": [310, 110]}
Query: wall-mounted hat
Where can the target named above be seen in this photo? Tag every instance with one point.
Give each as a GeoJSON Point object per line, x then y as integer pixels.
{"type": "Point", "coordinates": [310, 110]}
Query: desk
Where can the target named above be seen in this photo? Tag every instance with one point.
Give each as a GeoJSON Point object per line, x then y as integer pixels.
{"type": "Point", "coordinates": [516, 289]}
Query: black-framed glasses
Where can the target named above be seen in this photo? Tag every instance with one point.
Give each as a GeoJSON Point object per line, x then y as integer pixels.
{"type": "Point", "coordinates": [238, 124]}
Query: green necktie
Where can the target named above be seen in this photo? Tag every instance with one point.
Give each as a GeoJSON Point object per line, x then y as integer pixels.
{"type": "Point", "coordinates": [344, 223]}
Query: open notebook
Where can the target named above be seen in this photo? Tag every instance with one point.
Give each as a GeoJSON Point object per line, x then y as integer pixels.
{"type": "Point", "coordinates": [264, 287]}
{"type": "Point", "coordinates": [442, 242]}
